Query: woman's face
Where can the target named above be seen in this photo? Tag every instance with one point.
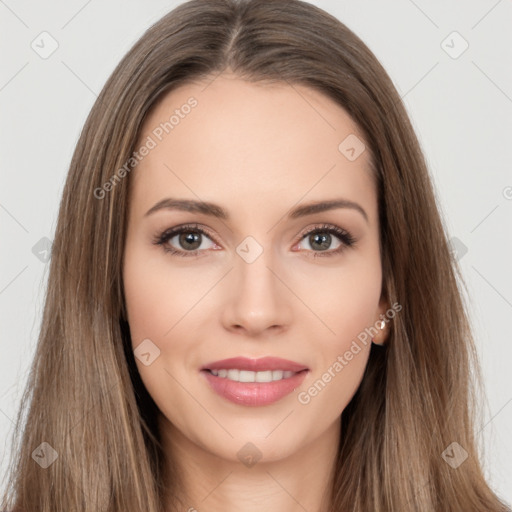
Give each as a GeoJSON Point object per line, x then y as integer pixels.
{"type": "Point", "coordinates": [254, 283]}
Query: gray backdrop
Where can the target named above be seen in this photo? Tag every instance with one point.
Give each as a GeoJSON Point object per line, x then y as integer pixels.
{"type": "Point", "coordinates": [451, 62]}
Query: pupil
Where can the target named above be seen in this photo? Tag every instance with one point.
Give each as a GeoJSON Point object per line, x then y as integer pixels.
{"type": "Point", "coordinates": [190, 238]}
{"type": "Point", "coordinates": [324, 240]}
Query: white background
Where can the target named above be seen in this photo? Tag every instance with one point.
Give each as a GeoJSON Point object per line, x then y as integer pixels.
{"type": "Point", "coordinates": [461, 109]}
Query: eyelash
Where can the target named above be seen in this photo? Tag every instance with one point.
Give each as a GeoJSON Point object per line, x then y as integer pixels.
{"type": "Point", "coordinates": [347, 240]}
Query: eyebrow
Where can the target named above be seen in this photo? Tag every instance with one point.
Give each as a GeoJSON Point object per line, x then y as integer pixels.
{"type": "Point", "coordinates": [214, 210]}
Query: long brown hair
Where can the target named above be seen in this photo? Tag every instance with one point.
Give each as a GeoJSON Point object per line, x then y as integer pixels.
{"type": "Point", "coordinates": [84, 397]}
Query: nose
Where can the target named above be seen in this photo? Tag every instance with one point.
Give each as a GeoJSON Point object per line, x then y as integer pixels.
{"type": "Point", "coordinates": [258, 298]}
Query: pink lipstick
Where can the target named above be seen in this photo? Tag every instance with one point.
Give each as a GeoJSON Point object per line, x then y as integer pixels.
{"type": "Point", "coordinates": [254, 382]}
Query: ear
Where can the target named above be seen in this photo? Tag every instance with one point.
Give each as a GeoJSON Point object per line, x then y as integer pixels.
{"type": "Point", "coordinates": [381, 322]}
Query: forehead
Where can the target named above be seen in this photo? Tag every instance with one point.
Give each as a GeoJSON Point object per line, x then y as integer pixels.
{"type": "Point", "coordinates": [250, 145]}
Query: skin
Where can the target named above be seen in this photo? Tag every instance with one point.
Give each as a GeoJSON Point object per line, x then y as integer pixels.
{"type": "Point", "coordinates": [257, 150]}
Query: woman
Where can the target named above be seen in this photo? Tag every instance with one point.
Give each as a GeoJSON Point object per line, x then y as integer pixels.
{"type": "Point", "coordinates": [310, 350]}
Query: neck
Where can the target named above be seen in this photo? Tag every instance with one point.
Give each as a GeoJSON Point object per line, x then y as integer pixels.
{"type": "Point", "coordinates": [205, 481]}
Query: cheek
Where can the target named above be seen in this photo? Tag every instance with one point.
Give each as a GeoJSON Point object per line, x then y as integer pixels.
{"type": "Point", "coordinates": [346, 304]}
{"type": "Point", "coordinates": [343, 301]}
{"type": "Point", "coordinates": [158, 294]}
{"type": "Point", "coordinates": [147, 302]}
{"type": "Point", "coordinates": [157, 300]}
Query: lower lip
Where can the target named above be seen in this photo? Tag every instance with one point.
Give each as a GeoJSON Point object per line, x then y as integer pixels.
{"type": "Point", "coordinates": [254, 393]}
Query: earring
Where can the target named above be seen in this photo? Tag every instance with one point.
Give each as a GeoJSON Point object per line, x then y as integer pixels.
{"type": "Point", "coordinates": [381, 324]}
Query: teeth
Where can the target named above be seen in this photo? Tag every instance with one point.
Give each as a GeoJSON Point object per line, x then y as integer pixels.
{"type": "Point", "coordinates": [249, 376]}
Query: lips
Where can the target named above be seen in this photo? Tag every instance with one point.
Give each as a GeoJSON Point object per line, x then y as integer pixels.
{"type": "Point", "coordinates": [255, 365]}
{"type": "Point", "coordinates": [254, 393]}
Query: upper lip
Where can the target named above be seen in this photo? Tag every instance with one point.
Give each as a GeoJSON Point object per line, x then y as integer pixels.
{"type": "Point", "coordinates": [255, 365]}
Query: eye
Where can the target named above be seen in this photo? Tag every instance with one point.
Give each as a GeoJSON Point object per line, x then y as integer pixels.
{"type": "Point", "coordinates": [320, 239]}
{"type": "Point", "coordinates": [189, 237]}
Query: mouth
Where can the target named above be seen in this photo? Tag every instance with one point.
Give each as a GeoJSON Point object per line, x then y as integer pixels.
{"type": "Point", "coordinates": [254, 382]}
